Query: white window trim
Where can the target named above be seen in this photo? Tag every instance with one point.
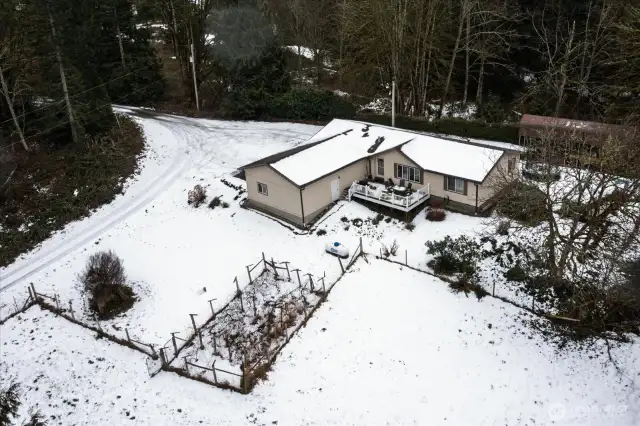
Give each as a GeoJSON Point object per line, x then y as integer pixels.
{"type": "Point", "coordinates": [416, 172]}
{"type": "Point", "coordinates": [265, 192]}
{"type": "Point", "coordinates": [455, 184]}
{"type": "Point", "coordinates": [378, 166]}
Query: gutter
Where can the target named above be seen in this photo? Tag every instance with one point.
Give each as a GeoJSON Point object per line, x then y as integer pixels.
{"type": "Point", "coordinates": [302, 207]}
{"type": "Point", "coordinates": [476, 197]}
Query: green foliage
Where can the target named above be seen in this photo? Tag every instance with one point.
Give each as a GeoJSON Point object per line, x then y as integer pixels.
{"type": "Point", "coordinates": [455, 256]}
{"type": "Point", "coordinates": [523, 203]}
{"type": "Point", "coordinates": [321, 232]}
{"type": "Point", "coordinates": [311, 104]}
{"type": "Point", "coordinates": [410, 226]}
{"type": "Point", "coordinates": [451, 126]}
{"type": "Point", "coordinates": [9, 403]}
{"type": "Point", "coordinates": [516, 273]}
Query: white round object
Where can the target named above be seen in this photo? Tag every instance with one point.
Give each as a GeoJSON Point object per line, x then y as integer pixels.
{"type": "Point", "coordinates": [337, 249]}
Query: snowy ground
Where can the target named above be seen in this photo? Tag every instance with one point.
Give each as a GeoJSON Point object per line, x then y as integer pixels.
{"type": "Point", "coordinates": [390, 347]}
{"type": "Point", "coordinates": [171, 251]}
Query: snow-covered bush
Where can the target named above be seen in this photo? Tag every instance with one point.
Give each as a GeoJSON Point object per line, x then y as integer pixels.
{"type": "Point", "coordinates": [523, 203]}
{"type": "Point", "coordinates": [503, 227]}
{"type": "Point", "coordinates": [105, 282]}
{"type": "Point", "coordinates": [459, 256]}
{"type": "Point", "coordinates": [391, 250]}
{"type": "Point", "coordinates": [197, 195]}
{"type": "Point", "coordinates": [215, 202]}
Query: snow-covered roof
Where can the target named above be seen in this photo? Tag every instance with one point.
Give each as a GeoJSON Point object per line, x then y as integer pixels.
{"type": "Point", "coordinates": [343, 142]}
{"type": "Point", "coordinates": [463, 160]}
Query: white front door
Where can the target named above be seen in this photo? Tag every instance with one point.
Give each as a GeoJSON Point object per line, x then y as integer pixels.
{"type": "Point", "coordinates": [335, 189]}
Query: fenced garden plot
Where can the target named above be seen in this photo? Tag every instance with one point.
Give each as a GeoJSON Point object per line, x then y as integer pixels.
{"type": "Point", "coordinates": [243, 337]}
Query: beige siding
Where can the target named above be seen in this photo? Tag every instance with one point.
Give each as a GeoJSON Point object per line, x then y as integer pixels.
{"type": "Point", "coordinates": [497, 176]}
{"type": "Point", "coordinates": [318, 195]}
{"type": "Point", "coordinates": [282, 194]}
{"type": "Point", "coordinates": [436, 181]}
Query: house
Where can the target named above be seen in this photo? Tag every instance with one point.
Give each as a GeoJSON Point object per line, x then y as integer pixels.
{"type": "Point", "coordinates": [351, 159]}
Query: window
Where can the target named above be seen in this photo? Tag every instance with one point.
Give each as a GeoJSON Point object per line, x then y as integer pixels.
{"type": "Point", "coordinates": [262, 189]}
{"type": "Point", "coordinates": [412, 174]}
{"type": "Point", "coordinates": [380, 166]}
{"type": "Point", "coordinates": [454, 184]}
{"type": "Point", "coordinates": [511, 165]}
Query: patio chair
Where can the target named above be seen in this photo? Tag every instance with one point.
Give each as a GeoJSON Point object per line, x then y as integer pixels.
{"type": "Point", "coordinates": [402, 182]}
{"type": "Point", "coordinates": [390, 182]}
{"type": "Point", "coordinates": [409, 188]}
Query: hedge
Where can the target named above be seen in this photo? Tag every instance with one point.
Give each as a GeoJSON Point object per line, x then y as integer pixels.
{"type": "Point", "coordinates": [310, 104]}
{"type": "Point", "coordinates": [451, 126]}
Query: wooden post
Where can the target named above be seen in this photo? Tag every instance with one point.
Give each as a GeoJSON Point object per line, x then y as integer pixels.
{"type": "Point", "coordinates": [406, 263]}
{"type": "Point", "coordinates": [241, 302]}
{"type": "Point", "coordinates": [264, 261]}
{"type": "Point", "coordinates": [175, 343]}
{"type": "Point", "coordinates": [229, 348]}
{"type": "Point", "coordinates": [126, 331]}
{"type": "Point", "coordinates": [324, 290]}
{"type": "Point", "coordinates": [494, 288]}
{"type": "Point", "coordinates": [200, 336]}
{"type": "Point", "coordinates": [286, 265]}
{"type": "Point", "coordinates": [341, 267]}
{"type": "Point", "coordinates": [235, 280]}
{"type": "Point", "coordinates": [186, 365]}
{"type": "Point", "coordinates": [533, 303]}
{"type": "Point", "coordinates": [35, 294]}
{"type": "Point", "coordinates": [215, 347]}
{"type": "Point", "coordinates": [275, 270]}
{"type": "Point", "coordinates": [297, 271]}
{"type": "Point", "coordinates": [213, 313]}
{"type": "Point", "coordinates": [311, 281]}
{"type": "Point", "coordinates": [162, 357]}
{"type": "Point", "coordinates": [30, 294]}
{"type": "Point", "coordinates": [193, 322]}
{"type": "Point", "coordinates": [213, 368]}
{"type": "Point", "coordinates": [248, 273]}
{"type": "Point", "coordinates": [361, 251]}
{"type": "Point", "coordinates": [71, 309]}
{"type": "Point", "coordinates": [255, 308]}
{"type": "Point", "coordinates": [57, 299]}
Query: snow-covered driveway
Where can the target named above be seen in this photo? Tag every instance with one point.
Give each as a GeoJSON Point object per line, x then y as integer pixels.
{"type": "Point", "coordinates": [165, 244]}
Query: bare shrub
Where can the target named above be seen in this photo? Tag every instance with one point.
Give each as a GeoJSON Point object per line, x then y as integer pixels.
{"type": "Point", "coordinates": [104, 279]}
{"type": "Point", "coordinates": [197, 196]}
{"type": "Point", "coordinates": [391, 250]}
{"type": "Point", "coordinates": [410, 226]}
{"type": "Point", "coordinates": [466, 285]}
{"type": "Point", "coordinates": [215, 202]}
{"type": "Point", "coordinates": [436, 215]}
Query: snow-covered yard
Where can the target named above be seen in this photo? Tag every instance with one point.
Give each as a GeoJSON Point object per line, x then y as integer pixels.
{"type": "Point", "coordinates": [391, 346]}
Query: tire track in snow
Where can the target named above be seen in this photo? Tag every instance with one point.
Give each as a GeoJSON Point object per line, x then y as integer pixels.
{"type": "Point", "coordinates": [40, 261]}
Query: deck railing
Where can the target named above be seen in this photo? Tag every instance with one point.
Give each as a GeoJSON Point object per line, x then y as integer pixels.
{"type": "Point", "coordinates": [380, 193]}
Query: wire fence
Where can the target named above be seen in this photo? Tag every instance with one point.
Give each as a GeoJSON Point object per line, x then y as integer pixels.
{"type": "Point", "coordinates": [236, 346]}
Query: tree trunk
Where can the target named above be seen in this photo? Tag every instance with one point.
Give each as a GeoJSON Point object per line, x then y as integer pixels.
{"type": "Point", "coordinates": [466, 68]}
{"type": "Point", "coordinates": [479, 100]}
{"type": "Point", "coordinates": [119, 35]}
{"type": "Point", "coordinates": [63, 78]}
{"type": "Point", "coordinates": [443, 101]}
{"type": "Point", "coordinates": [5, 91]}
{"type": "Point", "coordinates": [563, 71]}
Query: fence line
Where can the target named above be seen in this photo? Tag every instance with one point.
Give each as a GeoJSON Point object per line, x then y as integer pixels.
{"type": "Point", "coordinates": [532, 309]}
{"type": "Point", "coordinates": [20, 309]}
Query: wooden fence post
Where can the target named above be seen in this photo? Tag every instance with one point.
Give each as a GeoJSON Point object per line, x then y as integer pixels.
{"type": "Point", "coordinates": [286, 265]}
{"type": "Point", "coordinates": [163, 359]}
{"type": "Point", "coordinates": [275, 270]}
{"type": "Point", "coordinates": [71, 309]}
{"type": "Point", "coordinates": [126, 331]}
{"type": "Point", "coordinates": [248, 272]}
{"type": "Point", "coordinates": [361, 251]}
{"type": "Point", "coordinates": [235, 280]}
{"type": "Point", "coordinates": [213, 313]}
{"type": "Point", "coordinates": [229, 348]}
{"type": "Point", "coordinates": [494, 288]}
{"type": "Point", "coordinates": [311, 281]}
{"type": "Point", "coordinates": [406, 262]}
{"type": "Point", "coordinates": [297, 271]}
{"type": "Point", "coordinates": [215, 348]}
{"type": "Point", "coordinates": [241, 302]}
{"type": "Point", "coordinates": [264, 262]}
{"type": "Point", "coordinates": [35, 294]}
{"type": "Point", "coordinates": [213, 368]}
{"type": "Point", "coordinates": [30, 295]}
{"type": "Point", "coordinates": [186, 365]}
{"type": "Point", "coordinates": [175, 344]}
{"type": "Point", "coordinates": [341, 267]}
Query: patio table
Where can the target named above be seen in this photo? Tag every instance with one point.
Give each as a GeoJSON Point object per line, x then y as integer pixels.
{"type": "Point", "coordinates": [399, 189]}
